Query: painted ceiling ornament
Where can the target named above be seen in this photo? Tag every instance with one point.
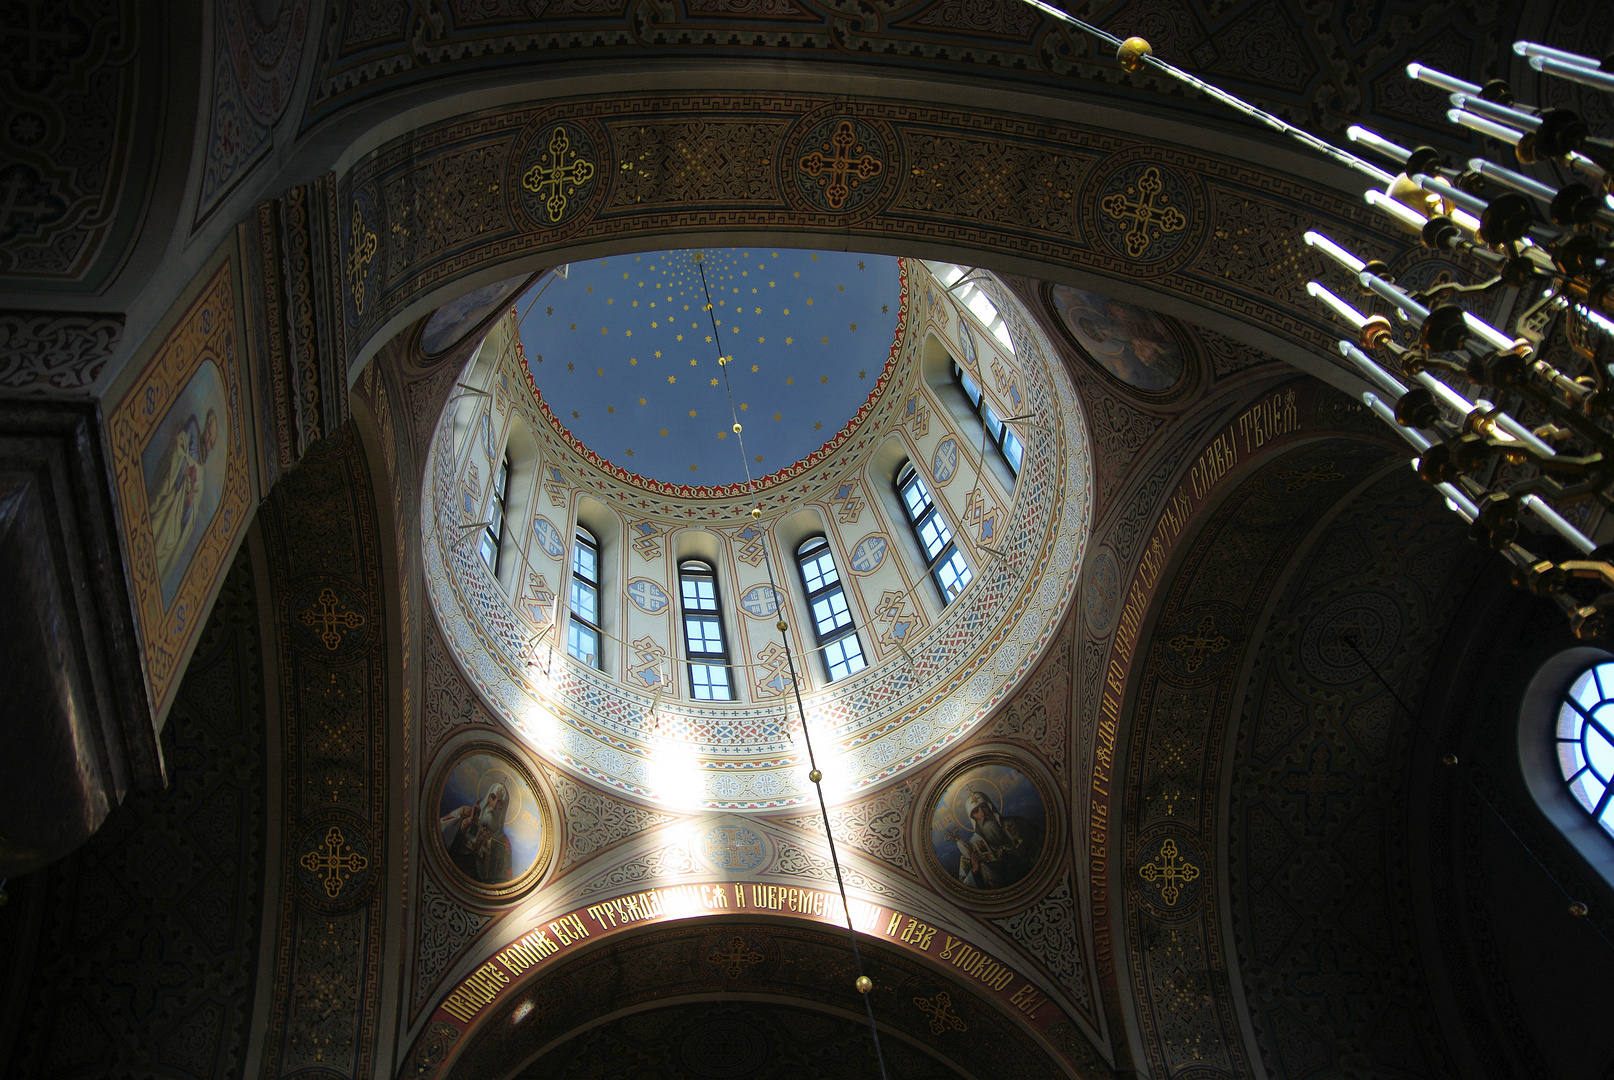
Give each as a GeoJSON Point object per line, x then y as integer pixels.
{"type": "Point", "coordinates": [1146, 211]}
{"type": "Point", "coordinates": [556, 173]}
{"type": "Point", "coordinates": [841, 161]}
{"type": "Point", "coordinates": [493, 833]}
{"type": "Point", "coordinates": [1170, 871]}
{"type": "Point", "coordinates": [361, 252]}
{"type": "Point", "coordinates": [335, 863]}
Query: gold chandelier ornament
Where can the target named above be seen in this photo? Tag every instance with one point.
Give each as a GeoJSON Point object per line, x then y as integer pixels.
{"type": "Point", "coordinates": [1454, 385]}
{"type": "Point", "coordinates": [1516, 445]}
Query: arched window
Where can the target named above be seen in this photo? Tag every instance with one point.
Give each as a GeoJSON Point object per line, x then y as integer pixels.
{"type": "Point", "coordinates": [703, 633]}
{"type": "Point", "coordinates": [493, 531]}
{"type": "Point", "coordinates": [1586, 742]}
{"type": "Point", "coordinates": [583, 628]}
{"type": "Point", "coordinates": [1002, 436]}
{"type": "Point", "coordinates": [943, 559]}
{"type": "Point", "coordinates": [832, 619]}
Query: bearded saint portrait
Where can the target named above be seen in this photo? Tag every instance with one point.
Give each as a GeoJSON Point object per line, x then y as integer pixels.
{"type": "Point", "coordinates": [174, 490]}
{"type": "Point", "coordinates": [475, 839]}
{"type": "Point", "coordinates": [1002, 849]}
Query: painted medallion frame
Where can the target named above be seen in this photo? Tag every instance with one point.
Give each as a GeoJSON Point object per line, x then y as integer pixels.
{"type": "Point", "coordinates": [1011, 797]}
{"type": "Point", "coordinates": [468, 772]}
{"type": "Point", "coordinates": [1187, 352]}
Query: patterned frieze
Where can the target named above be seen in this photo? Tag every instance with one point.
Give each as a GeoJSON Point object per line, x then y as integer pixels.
{"type": "Point", "coordinates": [937, 672]}
{"type": "Point", "coordinates": [1212, 232]}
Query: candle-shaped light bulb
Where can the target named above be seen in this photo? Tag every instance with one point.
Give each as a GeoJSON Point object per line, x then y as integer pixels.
{"type": "Point", "coordinates": [1449, 83]}
{"type": "Point", "coordinates": [1484, 126]}
{"type": "Point", "coordinates": [1334, 251]}
{"type": "Point", "coordinates": [1403, 213]}
{"type": "Point", "coordinates": [1358, 133]}
{"type": "Point", "coordinates": [1339, 307]}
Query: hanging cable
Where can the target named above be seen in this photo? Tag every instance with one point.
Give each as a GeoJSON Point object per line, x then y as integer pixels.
{"type": "Point", "coordinates": [864, 984]}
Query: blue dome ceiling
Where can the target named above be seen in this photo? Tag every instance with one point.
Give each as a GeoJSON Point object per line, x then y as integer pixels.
{"type": "Point", "coordinates": [622, 353]}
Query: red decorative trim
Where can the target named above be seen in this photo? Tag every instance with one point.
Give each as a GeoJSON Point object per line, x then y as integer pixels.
{"type": "Point", "coordinates": [729, 491]}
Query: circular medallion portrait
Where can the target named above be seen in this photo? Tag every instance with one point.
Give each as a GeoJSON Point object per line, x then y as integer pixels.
{"type": "Point", "coordinates": [1133, 344]}
{"type": "Point", "coordinates": [494, 825]}
{"type": "Point", "coordinates": [989, 828]}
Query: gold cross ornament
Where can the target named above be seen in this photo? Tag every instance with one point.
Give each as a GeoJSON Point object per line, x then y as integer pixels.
{"type": "Point", "coordinates": [1169, 872]}
{"type": "Point", "coordinates": [329, 613]}
{"type": "Point", "coordinates": [337, 862]}
{"type": "Point", "coordinates": [939, 1010]}
{"type": "Point", "coordinates": [733, 958]}
{"type": "Point", "coordinates": [558, 174]}
{"type": "Point", "coordinates": [841, 165]}
{"type": "Point", "coordinates": [1144, 206]}
{"type": "Point", "coordinates": [364, 243]}
{"type": "Point", "coordinates": [1195, 647]}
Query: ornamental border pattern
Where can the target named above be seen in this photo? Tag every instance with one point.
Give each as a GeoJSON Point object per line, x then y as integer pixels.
{"type": "Point", "coordinates": [971, 193]}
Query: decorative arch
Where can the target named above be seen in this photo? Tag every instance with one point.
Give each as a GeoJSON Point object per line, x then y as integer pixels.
{"type": "Point", "coordinates": [928, 1011]}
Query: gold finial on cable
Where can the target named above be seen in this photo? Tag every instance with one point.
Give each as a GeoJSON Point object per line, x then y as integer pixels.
{"type": "Point", "coordinates": [864, 984]}
{"type": "Point", "coordinates": [1131, 54]}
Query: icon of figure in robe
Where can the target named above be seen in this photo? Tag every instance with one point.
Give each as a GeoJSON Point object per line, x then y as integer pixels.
{"type": "Point", "coordinates": [1002, 850]}
{"type": "Point", "coordinates": [174, 490]}
{"type": "Point", "coordinates": [475, 839]}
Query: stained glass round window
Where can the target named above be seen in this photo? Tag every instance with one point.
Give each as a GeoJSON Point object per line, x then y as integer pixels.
{"type": "Point", "coordinates": [1586, 742]}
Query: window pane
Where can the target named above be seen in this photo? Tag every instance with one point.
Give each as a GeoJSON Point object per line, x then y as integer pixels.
{"type": "Point", "coordinates": [1569, 722]}
{"type": "Point", "coordinates": [934, 534]}
{"type": "Point", "coordinates": [496, 518]}
{"type": "Point", "coordinates": [844, 657]}
{"type": "Point", "coordinates": [708, 682]}
{"type": "Point", "coordinates": [1013, 449]}
{"type": "Point", "coordinates": [1570, 759]}
{"type": "Point", "coordinates": [1587, 790]}
{"type": "Point", "coordinates": [954, 574]}
{"type": "Point", "coordinates": [699, 594]}
{"type": "Point", "coordinates": [971, 391]}
{"type": "Point", "coordinates": [993, 424]}
{"type": "Point", "coordinates": [585, 560]}
{"type": "Point", "coordinates": [1585, 690]}
{"type": "Point", "coordinates": [830, 614]}
{"type": "Point", "coordinates": [490, 550]}
{"type": "Point", "coordinates": [500, 478]}
{"type": "Point", "coordinates": [704, 634]}
{"type": "Point", "coordinates": [585, 600]}
{"type": "Point", "coordinates": [582, 642]}
{"type": "Point", "coordinates": [1599, 752]}
{"type": "Point", "coordinates": [915, 495]}
{"type": "Point", "coordinates": [819, 572]}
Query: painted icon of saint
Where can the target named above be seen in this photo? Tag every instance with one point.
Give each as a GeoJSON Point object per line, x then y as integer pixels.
{"type": "Point", "coordinates": [174, 490]}
{"type": "Point", "coordinates": [475, 839]}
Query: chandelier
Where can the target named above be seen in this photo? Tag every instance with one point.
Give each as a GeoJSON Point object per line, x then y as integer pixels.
{"type": "Point", "coordinates": [1520, 445]}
